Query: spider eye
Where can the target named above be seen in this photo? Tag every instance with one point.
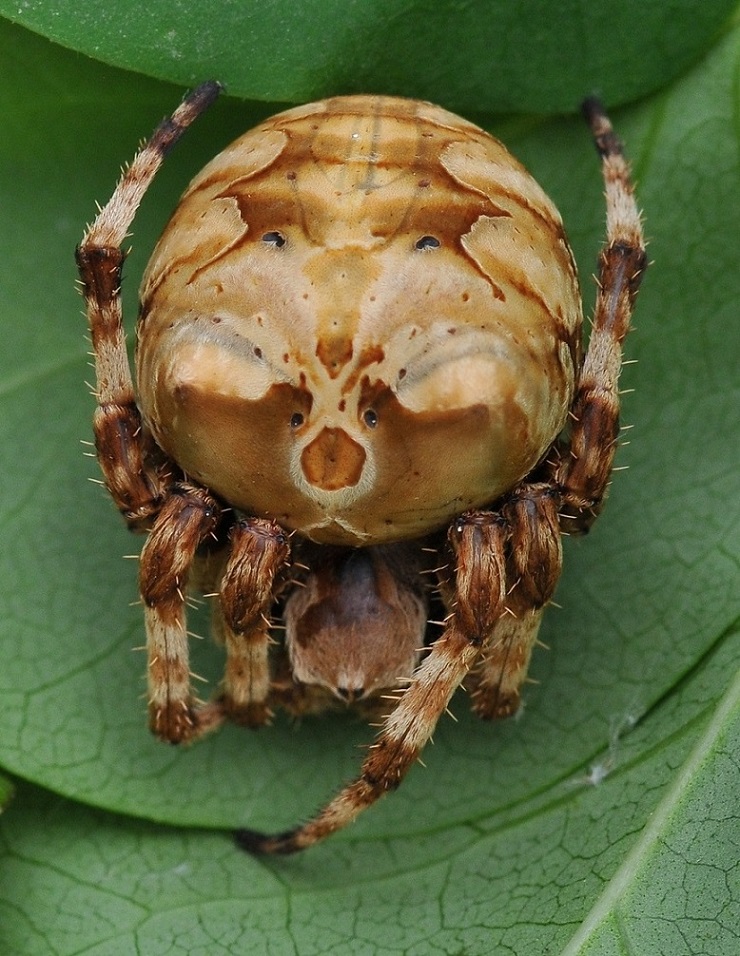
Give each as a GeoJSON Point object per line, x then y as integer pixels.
{"type": "Point", "coordinates": [276, 239]}
{"type": "Point", "coordinates": [427, 242]}
{"type": "Point", "coordinates": [296, 420]}
{"type": "Point", "coordinates": [370, 418]}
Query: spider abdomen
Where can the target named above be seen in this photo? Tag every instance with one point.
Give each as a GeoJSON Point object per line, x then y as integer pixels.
{"type": "Point", "coordinates": [362, 320]}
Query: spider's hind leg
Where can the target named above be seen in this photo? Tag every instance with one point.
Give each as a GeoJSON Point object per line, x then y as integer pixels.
{"type": "Point", "coordinates": [135, 482]}
{"type": "Point", "coordinates": [585, 465]}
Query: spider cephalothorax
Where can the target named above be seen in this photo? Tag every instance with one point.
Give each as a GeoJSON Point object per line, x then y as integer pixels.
{"type": "Point", "coordinates": [359, 382]}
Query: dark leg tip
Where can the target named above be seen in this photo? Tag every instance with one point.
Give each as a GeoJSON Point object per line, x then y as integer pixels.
{"type": "Point", "coordinates": [264, 844]}
{"type": "Point", "coordinates": [205, 94]}
{"type": "Point", "coordinates": [606, 141]}
{"type": "Point", "coordinates": [591, 108]}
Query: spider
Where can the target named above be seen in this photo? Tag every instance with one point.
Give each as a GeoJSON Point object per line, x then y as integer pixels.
{"type": "Point", "coordinates": [360, 389]}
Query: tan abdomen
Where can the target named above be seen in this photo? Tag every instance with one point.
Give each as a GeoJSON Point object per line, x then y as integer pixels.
{"type": "Point", "coordinates": [362, 319]}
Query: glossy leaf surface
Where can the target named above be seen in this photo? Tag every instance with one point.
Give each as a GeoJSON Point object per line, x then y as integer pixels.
{"type": "Point", "coordinates": [478, 56]}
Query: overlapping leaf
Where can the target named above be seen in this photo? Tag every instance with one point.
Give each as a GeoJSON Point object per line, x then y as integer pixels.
{"type": "Point", "coordinates": [481, 55]}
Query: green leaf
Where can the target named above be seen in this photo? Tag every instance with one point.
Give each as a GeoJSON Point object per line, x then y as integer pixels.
{"type": "Point", "coordinates": [480, 55]}
{"type": "Point", "coordinates": [6, 792]}
{"type": "Point", "coordinates": [677, 888]}
{"type": "Point", "coordinates": [499, 845]}
{"type": "Point", "coordinates": [522, 881]}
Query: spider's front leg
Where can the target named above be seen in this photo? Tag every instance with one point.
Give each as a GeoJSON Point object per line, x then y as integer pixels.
{"type": "Point", "coordinates": [188, 516]}
{"type": "Point", "coordinates": [259, 554]}
{"type": "Point", "coordinates": [534, 560]}
{"type": "Point", "coordinates": [478, 541]}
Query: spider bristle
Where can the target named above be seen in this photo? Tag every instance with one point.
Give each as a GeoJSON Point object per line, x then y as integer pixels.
{"type": "Point", "coordinates": [539, 643]}
{"type": "Point", "coordinates": [197, 637]}
{"type": "Point", "coordinates": [198, 677]}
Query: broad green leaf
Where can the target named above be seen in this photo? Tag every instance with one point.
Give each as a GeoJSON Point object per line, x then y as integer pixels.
{"type": "Point", "coordinates": [649, 857]}
{"type": "Point", "coordinates": [6, 792]}
{"type": "Point", "coordinates": [480, 56]}
{"type": "Point", "coordinates": [496, 846]}
{"type": "Point", "coordinates": [678, 888]}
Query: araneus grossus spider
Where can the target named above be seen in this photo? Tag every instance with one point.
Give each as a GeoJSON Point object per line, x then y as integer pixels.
{"type": "Point", "coordinates": [361, 327]}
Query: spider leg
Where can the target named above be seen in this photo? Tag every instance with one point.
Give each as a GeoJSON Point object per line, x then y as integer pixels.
{"type": "Point", "coordinates": [120, 440]}
{"type": "Point", "coordinates": [533, 565]}
{"type": "Point", "coordinates": [496, 679]}
{"type": "Point", "coordinates": [186, 518]}
{"type": "Point", "coordinates": [259, 552]}
{"type": "Point", "coordinates": [477, 540]}
{"type": "Point", "coordinates": [586, 461]}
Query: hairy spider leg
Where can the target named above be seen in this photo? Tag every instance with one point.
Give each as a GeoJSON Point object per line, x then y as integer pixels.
{"type": "Point", "coordinates": [586, 460]}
